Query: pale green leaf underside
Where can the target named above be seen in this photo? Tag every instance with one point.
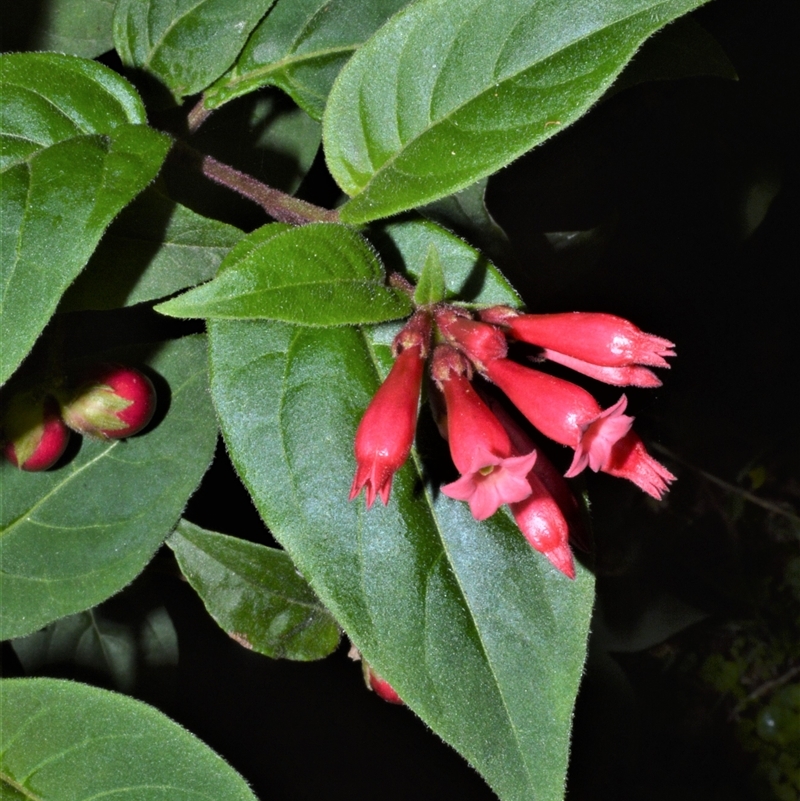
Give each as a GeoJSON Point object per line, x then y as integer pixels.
{"type": "Point", "coordinates": [63, 545]}
{"type": "Point", "coordinates": [187, 44]}
{"type": "Point", "coordinates": [300, 47]}
{"type": "Point", "coordinates": [62, 740]}
{"type": "Point", "coordinates": [255, 594]}
{"type": "Point", "coordinates": [446, 93]}
{"type": "Point", "coordinates": [478, 633]}
{"type": "Point", "coordinates": [317, 275]}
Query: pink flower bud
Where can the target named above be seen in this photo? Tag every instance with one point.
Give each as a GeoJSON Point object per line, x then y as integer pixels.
{"type": "Point", "coordinates": [34, 433]}
{"type": "Point", "coordinates": [630, 459]}
{"type": "Point", "coordinates": [386, 431]}
{"type": "Point", "coordinates": [491, 474]}
{"type": "Point", "coordinates": [381, 687]}
{"type": "Point", "coordinates": [563, 411]}
{"type": "Point", "coordinates": [601, 339]}
{"type": "Point", "coordinates": [481, 343]}
{"type": "Point", "coordinates": [111, 401]}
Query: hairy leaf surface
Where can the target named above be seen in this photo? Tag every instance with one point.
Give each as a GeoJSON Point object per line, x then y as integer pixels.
{"type": "Point", "coordinates": [446, 93]}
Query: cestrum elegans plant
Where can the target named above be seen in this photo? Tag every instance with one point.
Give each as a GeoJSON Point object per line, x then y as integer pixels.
{"type": "Point", "coordinates": [362, 347]}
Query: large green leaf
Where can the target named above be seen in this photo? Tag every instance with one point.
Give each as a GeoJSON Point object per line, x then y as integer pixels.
{"type": "Point", "coordinates": [75, 151]}
{"type": "Point", "coordinates": [320, 274]}
{"type": "Point", "coordinates": [478, 634]}
{"type": "Point", "coordinates": [187, 44]}
{"type": "Point", "coordinates": [153, 249]}
{"type": "Point", "coordinates": [62, 741]}
{"type": "Point", "coordinates": [300, 47]}
{"type": "Point", "coordinates": [255, 594]}
{"type": "Point", "coordinates": [446, 93]}
{"type": "Point", "coordinates": [72, 536]}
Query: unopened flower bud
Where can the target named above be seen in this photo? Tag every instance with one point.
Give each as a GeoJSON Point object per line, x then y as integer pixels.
{"type": "Point", "coordinates": [34, 433]}
{"type": "Point", "coordinates": [110, 401]}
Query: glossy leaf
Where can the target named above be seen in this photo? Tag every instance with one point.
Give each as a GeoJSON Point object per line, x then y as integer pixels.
{"type": "Point", "coordinates": [62, 740]}
{"type": "Point", "coordinates": [75, 27]}
{"type": "Point", "coordinates": [187, 44]}
{"type": "Point", "coordinates": [499, 77]}
{"type": "Point", "coordinates": [74, 153]}
{"type": "Point", "coordinates": [155, 248]}
{"type": "Point", "coordinates": [72, 536]}
{"type": "Point", "coordinates": [469, 276]}
{"type": "Point", "coordinates": [478, 634]}
{"type": "Point", "coordinates": [255, 594]}
{"type": "Point", "coordinates": [300, 47]}
{"type": "Point", "coordinates": [318, 275]}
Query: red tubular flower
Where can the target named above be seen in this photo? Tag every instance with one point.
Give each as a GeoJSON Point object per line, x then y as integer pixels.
{"type": "Point", "coordinates": [544, 526]}
{"type": "Point", "coordinates": [491, 474]}
{"type": "Point", "coordinates": [629, 459]}
{"type": "Point", "coordinates": [386, 431]}
{"type": "Point", "coordinates": [564, 412]}
{"type": "Point", "coordinates": [602, 339]}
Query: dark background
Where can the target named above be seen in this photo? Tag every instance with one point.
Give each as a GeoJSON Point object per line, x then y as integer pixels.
{"type": "Point", "coordinates": [675, 204]}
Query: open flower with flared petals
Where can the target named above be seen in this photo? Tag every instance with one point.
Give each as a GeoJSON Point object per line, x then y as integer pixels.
{"type": "Point", "coordinates": [497, 482]}
{"type": "Point", "coordinates": [386, 431]}
{"type": "Point", "coordinates": [630, 459]}
{"type": "Point", "coordinates": [601, 339]}
{"type": "Point", "coordinates": [563, 411]}
{"type": "Point", "coordinates": [491, 474]}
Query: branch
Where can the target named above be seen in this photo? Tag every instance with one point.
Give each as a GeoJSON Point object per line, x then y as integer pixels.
{"type": "Point", "coordinates": [277, 204]}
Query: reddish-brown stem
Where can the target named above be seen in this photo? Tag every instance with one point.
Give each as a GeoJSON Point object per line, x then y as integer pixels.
{"type": "Point", "coordinates": [277, 204]}
{"type": "Point", "coordinates": [198, 115]}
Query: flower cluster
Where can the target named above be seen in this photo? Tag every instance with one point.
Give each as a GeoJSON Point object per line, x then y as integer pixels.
{"type": "Point", "coordinates": [496, 459]}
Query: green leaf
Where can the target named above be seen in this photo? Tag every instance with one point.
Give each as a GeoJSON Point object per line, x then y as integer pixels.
{"type": "Point", "coordinates": [430, 287]}
{"type": "Point", "coordinates": [499, 77]}
{"type": "Point", "coordinates": [63, 740]}
{"type": "Point", "coordinates": [76, 27]}
{"type": "Point", "coordinates": [255, 594]}
{"type": "Point", "coordinates": [187, 44]}
{"type": "Point", "coordinates": [71, 537]}
{"type": "Point", "coordinates": [153, 249]}
{"type": "Point", "coordinates": [300, 47]}
{"type": "Point", "coordinates": [469, 276]}
{"type": "Point", "coordinates": [75, 152]}
{"type": "Point", "coordinates": [86, 639]}
{"type": "Point", "coordinates": [318, 275]}
{"type": "Point", "coordinates": [477, 632]}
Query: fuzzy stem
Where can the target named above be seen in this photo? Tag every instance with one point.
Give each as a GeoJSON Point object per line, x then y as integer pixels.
{"type": "Point", "coordinates": [198, 115]}
{"type": "Point", "coordinates": [277, 204]}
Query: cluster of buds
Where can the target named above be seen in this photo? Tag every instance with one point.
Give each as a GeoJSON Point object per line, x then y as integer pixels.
{"type": "Point", "coordinates": [496, 458]}
{"type": "Point", "coordinates": [107, 401]}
